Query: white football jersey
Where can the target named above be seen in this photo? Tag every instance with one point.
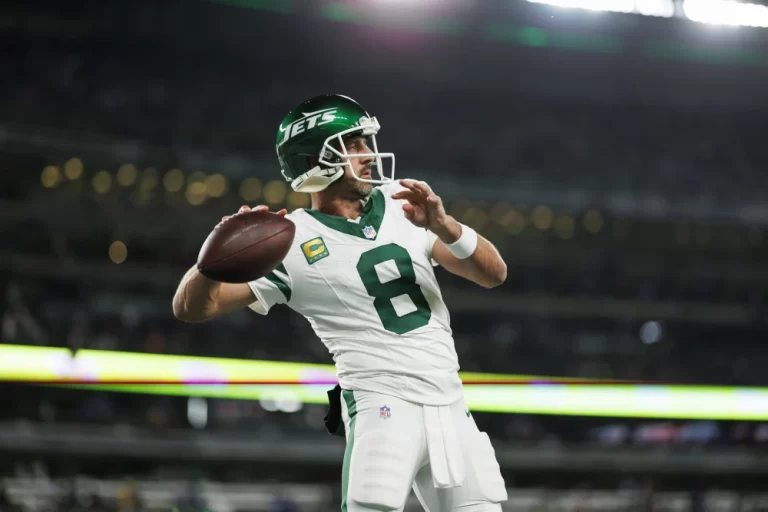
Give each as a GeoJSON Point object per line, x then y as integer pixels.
{"type": "Point", "coordinates": [368, 289]}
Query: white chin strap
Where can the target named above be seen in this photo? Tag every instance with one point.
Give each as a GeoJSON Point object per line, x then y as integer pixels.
{"type": "Point", "coordinates": [316, 179]}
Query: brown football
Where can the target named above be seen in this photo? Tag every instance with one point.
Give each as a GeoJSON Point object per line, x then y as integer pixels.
{"type": "Point", "coordinates": [246, 247]}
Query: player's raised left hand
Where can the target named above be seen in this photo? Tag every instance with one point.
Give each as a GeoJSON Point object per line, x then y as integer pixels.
{"type": "Point", "coordinates": [425, 209]}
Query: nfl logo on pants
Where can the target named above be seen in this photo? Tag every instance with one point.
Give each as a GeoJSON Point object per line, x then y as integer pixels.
{"type": "Point", "coordinates": [384, 412]}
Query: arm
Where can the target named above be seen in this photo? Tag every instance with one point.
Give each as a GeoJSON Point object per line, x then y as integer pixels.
{"type": "Point", "coordinates": [425, 209]}
{"type": "Point", "coordinates": [485, 266]}
{"type": "Point", "coordinates": [198, 298]}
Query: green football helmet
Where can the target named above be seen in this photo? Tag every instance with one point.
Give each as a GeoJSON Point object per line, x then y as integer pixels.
{"type": "Point", "coordinates": [310, 143]}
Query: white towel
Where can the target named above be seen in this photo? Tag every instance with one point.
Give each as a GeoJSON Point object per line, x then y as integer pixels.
{"type": "Point", "coordinates": [445, 457]}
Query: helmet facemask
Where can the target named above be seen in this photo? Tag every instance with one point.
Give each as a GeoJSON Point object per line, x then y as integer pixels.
{"type": "Point", "coordinates": [332, 161]}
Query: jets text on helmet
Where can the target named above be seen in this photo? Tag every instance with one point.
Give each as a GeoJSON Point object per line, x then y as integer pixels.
{"type": "Point", "coordinates": [310, 120]}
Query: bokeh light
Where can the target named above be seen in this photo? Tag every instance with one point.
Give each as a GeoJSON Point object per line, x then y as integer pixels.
{"type": "Point", "coordinates": [475, 217]}
{"type": "Point", "coordinates": [514, 222]}
{"type": "Point", "coordinates": [651, 332]}
{"type": "Point", "coordinates": [118, 252]}
{"type": "Point", "coordinates": [102, 182]}
{"type": "Point", "coordinates": [250, 189]}
{"type": "Point", "coordinates": [51, 176]}
{"type": "Point", "coordinates": [196, 193]}
{"type": "Point", "coordinates": [126, 175]}
{"type": "Point", "coordinates": [564, 226]}
{"type": "Point", "coordinates": [216, 185]}
{"type": "Point", "coordinates": [298, 200]}
{"type": "Point", "coordinates": [275, 191]}
{"type": "Point", "coordinates": [196, 177]}
{"type": "Point", "coordinates": [149, 179]}
{"type": "Point", "coordinates": [593, 221]}
{"type": "Point", "coordinates": [73, 169]}
{"type": "Point", "coordinates": [173, 181]}
{"type": "Point", "coordinates": [541, 217]}
{"type": "Point", "coordinates": [498, 211]}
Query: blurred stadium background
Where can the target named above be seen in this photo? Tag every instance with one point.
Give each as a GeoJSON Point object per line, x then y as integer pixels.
{"type": "Point", "coordinates": [614, 150]}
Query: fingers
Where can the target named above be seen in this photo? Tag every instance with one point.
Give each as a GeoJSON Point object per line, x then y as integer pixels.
{"type": "Point", "coordinates": [419, 192]}
{"type": "Point", "coordinates": [259, 208]}
{"type": "Point", "coordinates": [242, 209]}
{"type": "Point", "coordinates": [262, 208]}
{"type": "Point", "coordinates": [419, 186]}
{"type": "Point", "coordinates": [408, 195]}
{"type": "Point", "coordinates": [423, 188]}
{"type": "Point", "coordinates": [409, 211]}
{"type": "Point", "coordinates": [409, 184]}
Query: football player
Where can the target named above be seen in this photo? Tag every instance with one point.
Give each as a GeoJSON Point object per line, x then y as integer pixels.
{"type": "Point", "coordinates": [361, 271]}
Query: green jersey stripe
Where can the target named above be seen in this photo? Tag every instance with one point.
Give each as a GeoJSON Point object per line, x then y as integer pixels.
{"type": "Point", "coordinates": [349, 398]}
{"type": "Point", "coordinates": [279, 282]}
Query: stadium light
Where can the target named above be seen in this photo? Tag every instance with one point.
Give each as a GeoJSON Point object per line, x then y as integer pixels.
{"type": "Point", "coordinates": [724, 12]}
{"type": "Point", "coordinates": [662, 8]}
{"type": "Point", "coordinates": [406, 3]}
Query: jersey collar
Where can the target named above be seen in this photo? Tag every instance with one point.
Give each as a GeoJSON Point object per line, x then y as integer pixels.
{"type": "Point", "coordinates": [370, 217]}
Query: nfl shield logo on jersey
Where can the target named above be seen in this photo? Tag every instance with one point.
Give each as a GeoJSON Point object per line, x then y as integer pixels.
{"type": "Point", "coordinates": [369, 232]}
{"type": "Point", "coordinates": [384, 412]}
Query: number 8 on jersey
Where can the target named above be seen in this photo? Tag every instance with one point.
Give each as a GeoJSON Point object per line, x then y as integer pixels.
{"type": "Point", "coordinates": [388, 290]}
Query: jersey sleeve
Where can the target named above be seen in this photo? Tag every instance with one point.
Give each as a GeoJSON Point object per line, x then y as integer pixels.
{"type": "Point", "coordinates": [274, 288]}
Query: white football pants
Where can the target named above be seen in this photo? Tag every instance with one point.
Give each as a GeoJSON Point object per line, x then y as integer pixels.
{"type": "Point", "coordinates": [394, 445]}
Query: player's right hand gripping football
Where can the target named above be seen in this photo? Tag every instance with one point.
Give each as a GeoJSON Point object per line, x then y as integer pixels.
{"type": "Point", "coordinates": [260, 208]}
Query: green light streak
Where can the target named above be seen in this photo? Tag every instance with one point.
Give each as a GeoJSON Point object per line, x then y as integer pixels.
{"type": "Point", "coordinates": [541, 38]}
{"type": "Point", "coordinates": [279, 6]}
{"type": "Point", "coordinates": [391, 19]}
{"type": "Point", "coordinates": [562, 400]}
{"type": "Point", "coordinates": [36, 364]}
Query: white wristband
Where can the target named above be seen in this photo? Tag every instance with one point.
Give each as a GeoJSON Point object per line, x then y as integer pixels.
{"type": "Point", "coordinates": [465, 246]}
